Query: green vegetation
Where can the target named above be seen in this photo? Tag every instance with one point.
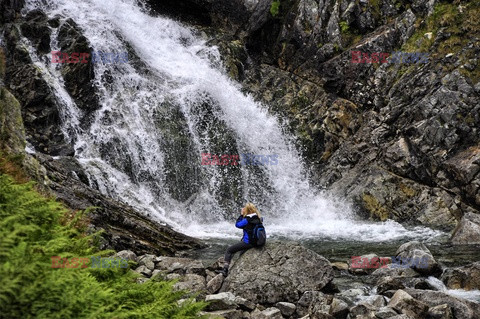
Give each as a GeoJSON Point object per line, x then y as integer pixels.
{"type": "Point", "coordinates": [344, 26]}
{"type": "Point", "coordinates": [32, 230]}
{"type": "Point", "coordinates": [461, 22]}
{"type": "Point", "coordinates": [275, 8]}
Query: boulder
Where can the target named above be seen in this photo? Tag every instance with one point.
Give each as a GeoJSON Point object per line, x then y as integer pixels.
{"type": "Point", "coordinates": [385, 312]}
{"type": "Point", "coordinates": [395, 272]}
{"type": "Point", "coordinates": [416, 251]}
{"type": "Point", "coordinates": [461, 308]}
{"type": "Point", "coordinates": [223, 314]}
{"type": "Point", "coordinates": [282, 272]}
{"type": "Point", "coordinates": [406, 304]}
{"type": "Point", "coordinates": [244, 304]}
{"type": "Point", "coordinates": [144, 271]}
{"type": "Point", "coordinates": [127, 254]}
{"type": "Point", "coordinates": [363, 310]}
{"type": "Point", "coordinates": [389, 283]}
{"type": "Point", "coordinates": [180, 265]}
{"type": "Point", "coordinates": [221, 301]}
{"type": "Point", "coordinates": [467, 230]}
{"type": "Point", "coordinates": [376, 301]}
{"type": "Point", "coordinates": [269, 313]}
{"type": "Point", "coordinates": [466, 277]}
{"type": "Point", "coordinates": [214, 285]}
{"type": "Point", "coordinates": [366, 264]}
{"type": "Point", "coordinates": [191, 283]}
{"type": "Point", "coordinates": [310, 300]}
{"type": "Point", "coordinates": [440, 312]}
{"type": "Point", "coordinates": [147, 261]}
{"type": "Point", "coordinates": [339, 309]}
{"type": "Point", "coordinates": [286, 308]}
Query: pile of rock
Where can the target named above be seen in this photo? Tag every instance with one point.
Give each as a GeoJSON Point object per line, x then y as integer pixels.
{"type": "Point", "coordinates": [286, 280]}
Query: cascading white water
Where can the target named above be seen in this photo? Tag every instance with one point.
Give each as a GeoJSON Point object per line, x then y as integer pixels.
{"type": "Point", "coordinates": [184, 72]}
{"type": "Point", "coordinates": [472, 295]}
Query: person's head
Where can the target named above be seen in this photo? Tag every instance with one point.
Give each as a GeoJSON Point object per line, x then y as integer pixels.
{"type": "Point", "coordinates": [250, 209]}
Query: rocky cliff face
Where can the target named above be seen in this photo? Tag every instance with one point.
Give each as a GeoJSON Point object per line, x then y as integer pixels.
{"type": "Point", "coordinates": [400, 140]}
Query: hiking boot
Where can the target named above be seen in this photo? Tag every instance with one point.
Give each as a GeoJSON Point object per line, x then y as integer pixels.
{"type": "Point", "coordinates": [224, 271]}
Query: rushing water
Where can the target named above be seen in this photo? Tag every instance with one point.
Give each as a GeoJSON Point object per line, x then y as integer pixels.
{"type": "Point", "coordinates": [168, 104]}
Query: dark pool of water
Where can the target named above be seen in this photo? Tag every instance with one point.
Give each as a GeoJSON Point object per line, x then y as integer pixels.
{"type": "Point", "coordinates": [444, 252]}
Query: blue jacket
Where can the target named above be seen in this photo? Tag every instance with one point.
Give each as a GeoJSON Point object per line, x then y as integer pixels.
{"type": "Point", "coordinates": [247, 223]}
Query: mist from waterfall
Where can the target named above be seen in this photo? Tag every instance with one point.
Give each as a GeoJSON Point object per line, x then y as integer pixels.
{"type": "Point", "coordinates": [173, 101]}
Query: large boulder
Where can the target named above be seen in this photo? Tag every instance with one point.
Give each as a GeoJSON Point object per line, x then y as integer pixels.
{"type": "Point", "coordinates": [416, 251]}
{"type": "Point", "coordinates": [406, 304]}
{"type": "Point", "coordinates": [461, 308]}
{"type": "Point", "coordinates": [467, 230]}
{"type": "Point", "coordinates": [278, 272]}
{"type": "Point", "coordinates": [466, 277]}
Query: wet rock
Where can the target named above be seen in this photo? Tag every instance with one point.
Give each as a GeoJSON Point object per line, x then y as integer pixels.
{"type": "Point", "coordinates": [221, 301]}
{"type": "Point", "coordinates": [351, 295]}
{"type": "Point", "coordinates": [124, 227]}
{"type": "Point", "coordinates": [389, 283]}
{"type": "Point", "coordinates": [284, 272]}
{"type": "Point", "coordinates": [36, 29]}
{"type": "Point", "coordinates": [79, 77]}
{"type": "Point", "coordinates": [286, 308]}
{"type": "Point", "coordinates": [467, 230]}
{"type": "Point", "coordinates": [406, 304]}
{"type": "Point", "coordinates": [415, 251]}
{"type": "Point", "coordinates": [466, 277]}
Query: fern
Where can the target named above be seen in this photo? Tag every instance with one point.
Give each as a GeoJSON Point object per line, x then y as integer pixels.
{"type": "Point", "coordinates": [31, 232]}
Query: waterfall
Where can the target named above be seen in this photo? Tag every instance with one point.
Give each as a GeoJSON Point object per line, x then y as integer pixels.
{"type": "Point", "coordinates": [169, 104]}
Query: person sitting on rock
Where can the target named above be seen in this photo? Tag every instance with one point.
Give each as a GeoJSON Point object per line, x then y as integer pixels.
{"type": "Point", "coordinates": [249, 217]}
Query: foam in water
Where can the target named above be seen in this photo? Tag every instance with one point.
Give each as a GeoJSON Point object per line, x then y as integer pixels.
{"type": "Point", "coordinates": [184, 71]}
{"type": "Point", "coordinates": [472, 295]}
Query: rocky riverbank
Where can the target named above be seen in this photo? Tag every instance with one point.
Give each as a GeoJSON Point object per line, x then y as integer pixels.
{"type": "Point", "coordinates": [286, 280]}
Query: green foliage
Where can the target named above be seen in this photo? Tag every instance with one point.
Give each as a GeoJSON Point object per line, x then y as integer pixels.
{"type": "Point", "coordinates": [275, 8]}
{"type": "Point", "coordinates": [460, 22]}
{"type": "Point", "coordinates": [31, 233]}
{"type": "Point", "coordinates": [344, 26]}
